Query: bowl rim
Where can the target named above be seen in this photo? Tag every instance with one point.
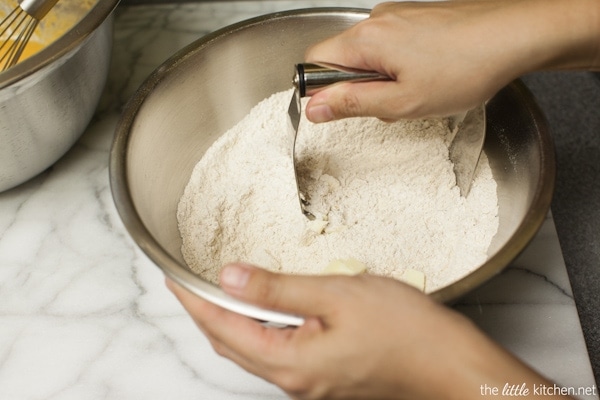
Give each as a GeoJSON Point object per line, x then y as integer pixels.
{"type": "Point", "coordinates": [63, 45]}
{"type": "Point", "coordinates": [533, 219]}
{"type": "Point", "coordinates": [147, 243]}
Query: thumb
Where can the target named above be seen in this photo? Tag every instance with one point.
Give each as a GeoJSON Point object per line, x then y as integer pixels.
{"type": "Point", "coordinates": [304, 295]}
{"type": "Point", "coordinates": [357, 99]}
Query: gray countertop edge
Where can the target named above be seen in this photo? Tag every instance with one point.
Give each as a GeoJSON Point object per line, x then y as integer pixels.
{"type": "Point", "coordinates": [571, 103]}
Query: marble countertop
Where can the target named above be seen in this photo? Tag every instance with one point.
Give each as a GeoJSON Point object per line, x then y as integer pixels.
{"type": "Point", "coordinates": [85, 315]}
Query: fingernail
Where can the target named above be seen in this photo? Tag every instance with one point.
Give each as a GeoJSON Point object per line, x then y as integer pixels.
{"type": "Point", "coordinates": [319, 113]}
{"type": "Point", "coordinates": [235, 276]}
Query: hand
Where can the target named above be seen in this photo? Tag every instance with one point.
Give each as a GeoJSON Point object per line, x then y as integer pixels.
{"type": "Point", "coordinates": [364, 337]}
{"type": "Point", "coordinates": [446, 57]}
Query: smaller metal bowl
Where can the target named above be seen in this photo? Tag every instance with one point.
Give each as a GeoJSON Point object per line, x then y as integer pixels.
{"type": "Point", "coordinates": [206, 88]}
{"type": "Point", "coordinates": [47, 100]}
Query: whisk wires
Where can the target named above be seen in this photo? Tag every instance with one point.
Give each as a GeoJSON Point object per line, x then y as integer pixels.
{"type": "Point", "coordinates": [18, 27]}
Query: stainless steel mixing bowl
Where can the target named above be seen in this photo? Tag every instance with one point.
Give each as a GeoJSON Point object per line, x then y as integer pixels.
{"type": "Point", "coordinates": [206, 88]}
{"type": "Point", "coordinates": [47, 100]}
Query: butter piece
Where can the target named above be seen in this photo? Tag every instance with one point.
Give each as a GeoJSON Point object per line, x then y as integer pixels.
{"type": "Point", "coordinates": [317, 225]}
{"type": "Point", "coordinates": [348, 266]}
{"type": "Point", "coordinates": [333, 183]}
{"type": "Point", "coordinates": [412, 277]}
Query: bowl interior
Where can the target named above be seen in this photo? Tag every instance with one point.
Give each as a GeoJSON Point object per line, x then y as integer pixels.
{"type": "Point", "coordinates": [208, 87]}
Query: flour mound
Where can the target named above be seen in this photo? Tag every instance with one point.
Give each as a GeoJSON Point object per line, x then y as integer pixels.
{"type": "Point", "coordinates": [383, 193]}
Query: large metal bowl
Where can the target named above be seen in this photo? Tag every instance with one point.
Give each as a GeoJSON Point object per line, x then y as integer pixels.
{"type": "Point", "coordinates": [206, 88]}
{"type": "Point", "coordinates": [47, 100]}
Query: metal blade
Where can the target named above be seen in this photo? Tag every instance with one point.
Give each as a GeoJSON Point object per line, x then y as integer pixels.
{"type": "Point", "coordinates": [294, 112]}
{"type": "Point", "coordinates": [466, 146]}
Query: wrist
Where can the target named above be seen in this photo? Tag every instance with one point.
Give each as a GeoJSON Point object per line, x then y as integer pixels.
{"type": "Point", "coordinates": [568, 34]}
{"type": "Point", "coordinates": [479, 368]}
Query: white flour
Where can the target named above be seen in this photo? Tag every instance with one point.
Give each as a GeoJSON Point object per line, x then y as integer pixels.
{"type": "Point", "coordinates": [386, 191]}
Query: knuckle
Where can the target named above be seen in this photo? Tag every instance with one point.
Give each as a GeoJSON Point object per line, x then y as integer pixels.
{"type": "Point", "coordinates": [268, 290]}
{"type": "Point", "coordinates": [383, 7]}
{"type": "Point", "coordinates": [218, 347]}
{"type": "Point", "coordinates": [349, 106]}
{"type": "Point", "coordinates": [295, 377]}
{"type": "Point", "coordinates": [367, 29]}
{"type": "Point", "coordinates": [294, 384]}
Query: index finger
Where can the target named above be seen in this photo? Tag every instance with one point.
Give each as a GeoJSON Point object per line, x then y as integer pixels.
{"type": "Point", "coordinates": [361, 46]}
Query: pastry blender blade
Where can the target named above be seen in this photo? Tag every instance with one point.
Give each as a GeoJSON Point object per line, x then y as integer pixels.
{"type": "Point", "coordinates": [309, 79]}
{"type": "Point", "coordinates": [469, 127]}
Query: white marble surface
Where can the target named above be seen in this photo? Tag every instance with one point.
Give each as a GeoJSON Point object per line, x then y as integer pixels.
{"type": "Point", "coordinates": [85, 315]}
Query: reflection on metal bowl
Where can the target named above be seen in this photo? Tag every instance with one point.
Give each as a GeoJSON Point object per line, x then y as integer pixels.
{"type": "Point", "coordinates": [206, 88]}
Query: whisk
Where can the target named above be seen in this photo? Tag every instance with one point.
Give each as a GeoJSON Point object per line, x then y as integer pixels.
{"type": "Point", "coordinates": [18, 26]}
